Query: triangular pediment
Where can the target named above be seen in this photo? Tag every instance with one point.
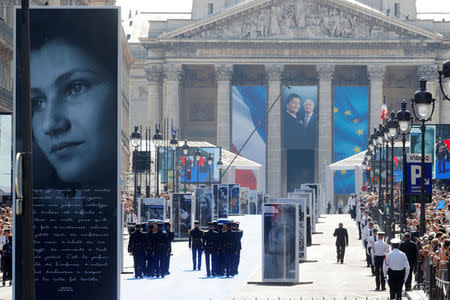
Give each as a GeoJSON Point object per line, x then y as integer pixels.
{"type": "Point", "coordinates": [300, 20]}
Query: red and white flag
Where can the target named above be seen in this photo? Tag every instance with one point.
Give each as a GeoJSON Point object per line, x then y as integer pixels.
{"type": "Point", "coordinates": [384, 110]}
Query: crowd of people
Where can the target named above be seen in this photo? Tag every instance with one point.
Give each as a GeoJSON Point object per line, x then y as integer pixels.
{"type": "Point", "coordinates": [150, 245]}
{"type": "Point", "coordinates": [6, 244]}
{"type": "Point", "coordinates": [420, 251]}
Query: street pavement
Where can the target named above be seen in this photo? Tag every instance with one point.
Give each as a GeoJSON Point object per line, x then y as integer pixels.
{"type": "Point", "coordinates": [320, 278]}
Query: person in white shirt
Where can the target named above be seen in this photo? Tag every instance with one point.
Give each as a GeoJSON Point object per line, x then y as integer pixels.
{"type": "Point", "coordinates": [359, 216]}
{"type": "Point", "coordinates": [379, 251]}
{"type": "Point", "coordinates": [367, 234]}
{"type": "Point", "coordinates": [131, 219]}
{"type": "Point", "coordinates": [397, 267]}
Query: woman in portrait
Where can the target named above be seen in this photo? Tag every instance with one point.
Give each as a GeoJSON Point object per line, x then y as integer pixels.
{"type": "Point", "coordinates": [292, 125]}
{"type": "Point", "coordinates": [74, 101]}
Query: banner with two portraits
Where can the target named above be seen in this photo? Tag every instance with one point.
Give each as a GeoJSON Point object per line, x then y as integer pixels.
{"type": "Point", "coordinates": [75, 68]}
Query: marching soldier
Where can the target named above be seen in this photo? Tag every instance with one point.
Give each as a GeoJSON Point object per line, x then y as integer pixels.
{"type": "Point", "coordinates": [367, 234]}
{"type": "Point", "coordinates": [227, 249]}
{"type": "Point", "coordinates": [137, 246]}
{"type": "Point", "coordinates": [170, 236]}
{"type": "Point", "coordinates": [239, 234]}
{"type": "Point", "coordinates": [160, 248]}
{"type": "Point", "coordinates": [378, 253]}
{"type": "Point", "coordinates": [397, 267]}
{"type": "Point", "coordinates": [220, 259]}
{"type": "Point", "coordinates": [149, 257]}
{"type": "Point", "coordinates": [196, 244]}
{"type": "Point", "coordinates": [210, 238]}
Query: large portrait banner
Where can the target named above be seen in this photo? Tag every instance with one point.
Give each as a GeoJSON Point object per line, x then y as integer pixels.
{"type": "Point", "coordinates": [280, 242]}
{"type": "Point", "coordinates": [151, 209]}
{"type": "Point", "coordinates": [74, 73]}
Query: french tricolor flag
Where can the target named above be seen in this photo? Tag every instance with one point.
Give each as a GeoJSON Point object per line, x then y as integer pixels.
{"type": "Point", "coordinates": [384, 110]}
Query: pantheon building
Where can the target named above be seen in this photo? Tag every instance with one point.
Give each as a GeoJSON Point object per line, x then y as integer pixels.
{"type": "Point", "coordinates": [217, 73]}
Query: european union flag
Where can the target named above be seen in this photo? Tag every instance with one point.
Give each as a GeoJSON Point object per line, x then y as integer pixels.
{"type": "Point", "coordinates": [350, 134]}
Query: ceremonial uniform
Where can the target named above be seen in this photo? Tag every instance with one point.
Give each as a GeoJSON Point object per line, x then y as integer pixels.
{"type": "Point", "coordinates": [196, 244]}
{"type": "Point", "coordinates": [378, 253]}
{"type": "Point", "coordinates": [211, 243]}
{"type": "Point", "coordinates": [160, 248]}
{"type": "Point", "coordinates": [137, 246]}
{"type": "Point", "coordinates": [171, 237]}
{"type": "Point", "coordinates": [227, 250]}
{"type": "Point", "coordinates": [150, 266]}
{"type": "Point", "coordinates": [238, 236]}
{"type": "Point", "coordinates": [367, 234]}
{"type": "Point", "coordinates": [396, 266]}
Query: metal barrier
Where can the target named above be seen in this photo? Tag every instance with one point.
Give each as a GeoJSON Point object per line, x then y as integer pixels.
{"type": "Point", "coordinates": [433, 280]}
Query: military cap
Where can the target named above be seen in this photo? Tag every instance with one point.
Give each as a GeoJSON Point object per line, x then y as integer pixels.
{"type": "Point", "coordinates": [210, 223]}
{"type": "Point", "coordinates": [381, 233]}
{"type": "Point", "coordinates": [395, 241]}
{"type": "Point", "coordinates": [196, 222]}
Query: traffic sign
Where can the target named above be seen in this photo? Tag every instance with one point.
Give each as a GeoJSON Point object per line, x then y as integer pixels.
{"type": "Point", "coordinates": [413, 172]}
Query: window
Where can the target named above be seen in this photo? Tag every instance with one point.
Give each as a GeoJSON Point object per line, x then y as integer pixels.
{"type": "Point", "coordinates": [397, 10]}
{"type": "Point", "coordinates": [131, 23]}
{"type": "Point", "coordinates": [210, 8]}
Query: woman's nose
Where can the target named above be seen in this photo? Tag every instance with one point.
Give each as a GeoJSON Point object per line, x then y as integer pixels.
{"type": "Point", "coordinates": [55, 121]}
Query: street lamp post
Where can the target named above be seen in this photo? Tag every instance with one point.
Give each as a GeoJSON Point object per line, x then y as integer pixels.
{"type": "Point", "coordinates": [446, 74]}
{"type": "Point", "coordinates": [185, 153]}
{"type": "Point", "coordinates": [210, 161]}
{"type": "Point", "coordinates": [198, 156]}
{"type": "Point", "coordinates": [423, 108]}
{"type": "Point", "coordinates": [380, 147]}
{"type": "Point", "coordinates": [220, 166]}
{"type": "Point", "coordinates": [392, 125]}
{"type": "Point", "coordinates": [173, 144]}
{"type": "Point", "coordinates": [404, 126]}
{"type": "Point", "coordinates": [135, 143]}
{"type": "Point", "coordinates": [157, 139]}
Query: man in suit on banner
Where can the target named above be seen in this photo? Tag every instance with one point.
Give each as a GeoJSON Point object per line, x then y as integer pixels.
{"type": "Point", "coordinates": [309, 120]}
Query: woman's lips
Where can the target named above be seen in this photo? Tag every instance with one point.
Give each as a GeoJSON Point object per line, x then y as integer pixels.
{"type": "Point", "coordinates": [63, 146]}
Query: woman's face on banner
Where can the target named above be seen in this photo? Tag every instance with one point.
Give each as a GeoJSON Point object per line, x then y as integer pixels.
{"type": "Point", "coordinates": [293, 106]}
{"type": "Point", "coordinates": [72, 97]}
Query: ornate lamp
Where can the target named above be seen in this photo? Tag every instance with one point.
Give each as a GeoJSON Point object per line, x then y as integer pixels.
{"type": "Point", "coordinates": [445, 83]}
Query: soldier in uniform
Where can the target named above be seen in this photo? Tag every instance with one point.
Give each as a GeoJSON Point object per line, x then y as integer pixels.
{"type": "Point", "coordinates": [170, 236]}
{"type": "Point", "coordinates": [237, 254]}
{"type": "Point", "coordinates": [160, 248]}
{"type": "Point", "coordinates": [210, 238]}
{"type": "Point", "coordinates": [149, 271]}
{"type": "Point", "coordinates": [227, 249]}
{"type": "Point", "coordinates": [396, 265]}
{"type": "Point", "coordinates": [137, 246]}
{"type": "Point", "coordinates": [379, 251]}
{"type": "Point", "coordinates": [196, 244]}
{"type": "Point", "coordinates": [219, 263]}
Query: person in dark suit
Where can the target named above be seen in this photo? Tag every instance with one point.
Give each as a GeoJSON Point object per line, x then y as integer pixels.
{"type": "Point", "coordinates": [160, 248]}
{"type": "Point", "coordinates": [309, 119]}
{"type": "Point", "coordinates": [171, 236]}
{"type": "Point", "coordinates": [341, 242]}
{"type": "Point", "coordinates": [410, 249]}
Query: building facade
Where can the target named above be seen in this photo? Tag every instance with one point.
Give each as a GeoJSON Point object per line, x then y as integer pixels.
{"type": "Point", "coordinates": [192, 66]}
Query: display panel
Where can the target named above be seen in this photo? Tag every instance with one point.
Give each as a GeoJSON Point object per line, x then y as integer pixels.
{"type": "Point", "coordinates": [259, 203]}
{"type": "Point", "coordinates": [181, 215]}
{"type": "Point", "coordinates": [192, 171]}
{"type": "Point", "coordinates": [151, 208]}
{"type": "Point", "coordinates": [5, 153]}
{"type": "Point", "coordinates": [280, 242]}
{"type": "Point", "coordinates": [302, 199]}
{"type": "Point", "coordinates": [252, 198]}
{"type": "Point", "coordinates": [244, 200]}
{"type": "Point", "coordinates": [350, 130]}
{"type": "Point", "coordinates": [222, 209]}
{"type": "Point", "coordinates": [249, 105]}
{"type": "Point", "coordinates": [204, 206]}
{"type": "Point", "coordinates": [442, 151]}
{"type": "Point", "coordinates": [415, 141]}
{"type": "Point", "coordinates": [234, 197]}
{"type": "Point", "coordinates": [74, 73]}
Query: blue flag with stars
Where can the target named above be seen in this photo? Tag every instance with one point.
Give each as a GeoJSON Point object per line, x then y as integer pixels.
{"type": "Point", "coordinates": [350, 134]}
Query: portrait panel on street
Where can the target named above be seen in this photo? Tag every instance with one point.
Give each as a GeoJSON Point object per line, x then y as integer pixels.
{"type": "Point", "coordinates": [74, 100]}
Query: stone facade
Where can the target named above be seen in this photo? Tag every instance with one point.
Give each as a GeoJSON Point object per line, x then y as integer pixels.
{"type": "Point", "coordinates": [268, 42]}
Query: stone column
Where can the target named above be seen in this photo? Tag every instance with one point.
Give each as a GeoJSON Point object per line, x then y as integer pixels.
{"type": "Point", "coordinates": [430, 73]}
{"type": "Point", "coordinates": [325, 74]}
{"type": "Point", "coordinates": [223, 76]}
{"type": "Point", "coordinates": [273, 164]}
{"type": "Point", "coordinates": [376, 75]}
{"type": "Point", "coordinates": [171, 93]}
{"type": "Point", "coordinates": [154, 74]}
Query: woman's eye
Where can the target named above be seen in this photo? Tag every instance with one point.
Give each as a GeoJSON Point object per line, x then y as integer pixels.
{"type": "Point", "coordinates": [76, 88]}
{"type": "Point", "coordinates": [38, 103]}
